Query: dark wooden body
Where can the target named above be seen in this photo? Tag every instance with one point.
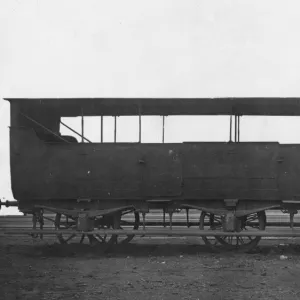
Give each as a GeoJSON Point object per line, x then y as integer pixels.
{"type": "Point", "coordinates": [253, 171]}
{"type": "Point", "coordinates": [51, 171]}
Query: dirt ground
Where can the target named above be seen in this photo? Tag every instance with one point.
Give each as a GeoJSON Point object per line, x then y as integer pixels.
{"type": "Point", "coordinates": [146, 269]}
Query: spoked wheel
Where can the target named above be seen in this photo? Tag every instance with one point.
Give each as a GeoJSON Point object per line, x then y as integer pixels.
{"type": "Point", "coordinates": [63, 222]}
{"type": "Point", "coordinates": [107, 222]}
{"type": "Point", "coordinates": [250, 223]}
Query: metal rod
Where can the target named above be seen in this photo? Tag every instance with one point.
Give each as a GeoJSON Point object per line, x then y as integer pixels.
{"type": "Point", "coordinates": [115, 137]}
{"type": "Point", "coordinates": [171, 219]}
{"type": "Point", "coordinates": [235, 129]}
{"type": "Point", "coordinates": [62, 123]}
{"type": "Point", "coordinates": [187, 218]}
{"type": "Point", "coordinates": [163, 133]}
{"type": "Point", "coordinates": [144, 220]}
{"type": "Point", "coordinates": [82, 126]}
{"type": "Point", "coordinates": [292, 220]}
{"type": "Point", "coordinates": [37, 123]}
{"type": "Point", "coordinates": [140, 126]}
{"type": "Point", "coordinates": [230, 130]}
{"type": "Point", "coordinates": [101, 129]}
{"type": "Point", "coordinates": [238, 128]}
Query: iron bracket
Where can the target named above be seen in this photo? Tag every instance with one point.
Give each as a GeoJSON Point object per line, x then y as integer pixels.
{"type": "Point", "coordinates": [231, 203]}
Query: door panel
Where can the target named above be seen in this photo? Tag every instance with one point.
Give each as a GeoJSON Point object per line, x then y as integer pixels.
{"type": "Point", "coordinates": [224, 171]}
{"type": "Point", "coordinates": [93, 171]}
{"type": "Point", "coordinates": [162, 170]}
{"type": "Point", "coordinates": [289, 172]}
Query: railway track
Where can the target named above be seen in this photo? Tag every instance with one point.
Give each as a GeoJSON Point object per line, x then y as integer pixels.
{"type": "Point", "coordinates": [275, 219]}
{"type": "Point", "coordinates": [278, 228]}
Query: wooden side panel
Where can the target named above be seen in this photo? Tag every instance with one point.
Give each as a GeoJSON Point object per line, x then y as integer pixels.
{"type": "Point", "coordinates": [81, 171]}
{"type": "Point", "coordinates": [142, 171]}
{"type": "Point", "coordinates": [99, 172]}
{"type": "Point", "coordinates": [224, 171]}
{"type": "Point", "coordinates": [289, 172]}
{"type": "Point", "coordinates": [96, 171]}
{"type": "Point", "coordinates": [25, 155]}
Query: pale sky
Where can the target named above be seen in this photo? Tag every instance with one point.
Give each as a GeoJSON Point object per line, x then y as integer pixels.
{"type": "Point", "coordinates": [152, 48]}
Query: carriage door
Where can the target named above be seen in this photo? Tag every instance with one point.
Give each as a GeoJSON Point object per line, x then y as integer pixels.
{"type": "Point", "coordinates": [162, 170]}
{"type": "Point", "coordinates": [289, 172]}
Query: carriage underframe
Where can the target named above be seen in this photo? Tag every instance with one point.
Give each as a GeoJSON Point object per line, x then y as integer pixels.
{"type": "Point", "coordinates": [228, 227]}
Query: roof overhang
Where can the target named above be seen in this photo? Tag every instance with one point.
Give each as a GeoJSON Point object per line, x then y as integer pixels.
{"type": "Point", "coordinates": [165, 106]}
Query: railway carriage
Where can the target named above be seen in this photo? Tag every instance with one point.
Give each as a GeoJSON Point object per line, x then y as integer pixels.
{"type": "Point", "coordinates": [90, 187]}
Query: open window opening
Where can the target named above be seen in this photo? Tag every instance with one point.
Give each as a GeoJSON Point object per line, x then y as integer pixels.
{"type": "Point", "coordinates": [169, 129]}
{"type": "Point", "coordinates": [146, 129]}
{"type": "Point", "coordinates": [281, 129]}
{"type": "Point", "coordinates": [110, 129]}
{"type": "Point", "coordinates": [179, 129]}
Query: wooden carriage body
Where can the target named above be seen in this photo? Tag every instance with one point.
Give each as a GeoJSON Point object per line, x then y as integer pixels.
{"type": "Point", "coordinates": [48, 168]}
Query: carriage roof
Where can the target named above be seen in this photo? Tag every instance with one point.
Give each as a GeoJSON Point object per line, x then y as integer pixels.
{"type": "Point", "coordinates": [164, 106]}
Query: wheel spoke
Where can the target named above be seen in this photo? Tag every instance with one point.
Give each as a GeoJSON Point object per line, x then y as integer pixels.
{"type": "Point", "coordinates": [70, 237]}
{"type": "Point", "coordinates": [92, 239]}
{"type": "Point", "coordinates": [101, 238]}
{"type": "Point", "coordinates": [49, 219]}
{"type": "Point", "coordinates": [82, 238]}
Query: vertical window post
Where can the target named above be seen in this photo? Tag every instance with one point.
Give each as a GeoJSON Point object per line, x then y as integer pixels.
{"type": "Point", "coordinates": [140, 126]}
{"type": "Point", "coordinates": [115, 138]}
{"type": "Point", "coordinates": [82, 126]}
{"type": "Point", "coordinates": [163, 132]}
{"type": "Point", "coordinates": [235, 128]}
{"type": "Point", "coordinates": [238, 128]}
{"type": "Point", "coordinates": [101, 129]}
{"type": "Point", "coordinates": [230, 129]}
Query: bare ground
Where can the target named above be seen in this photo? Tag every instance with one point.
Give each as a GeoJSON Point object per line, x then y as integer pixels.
{"type": "Point", "coordinates": [146, 269]}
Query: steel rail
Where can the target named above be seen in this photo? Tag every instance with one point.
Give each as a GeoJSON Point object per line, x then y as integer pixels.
{"type": "Point", "coordinates": [28, 223]}
{"type": "Point", "coordinates": [162, 232]}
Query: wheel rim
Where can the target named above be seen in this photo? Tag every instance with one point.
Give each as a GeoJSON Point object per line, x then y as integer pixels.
{"type": "Point", "coordinates": [255, 221]}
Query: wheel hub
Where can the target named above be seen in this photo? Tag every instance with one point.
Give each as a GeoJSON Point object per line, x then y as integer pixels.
{"type": "Point", "coordinates": [231, 223]}
{"type": "Point", "coordinates": [85, 223]}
